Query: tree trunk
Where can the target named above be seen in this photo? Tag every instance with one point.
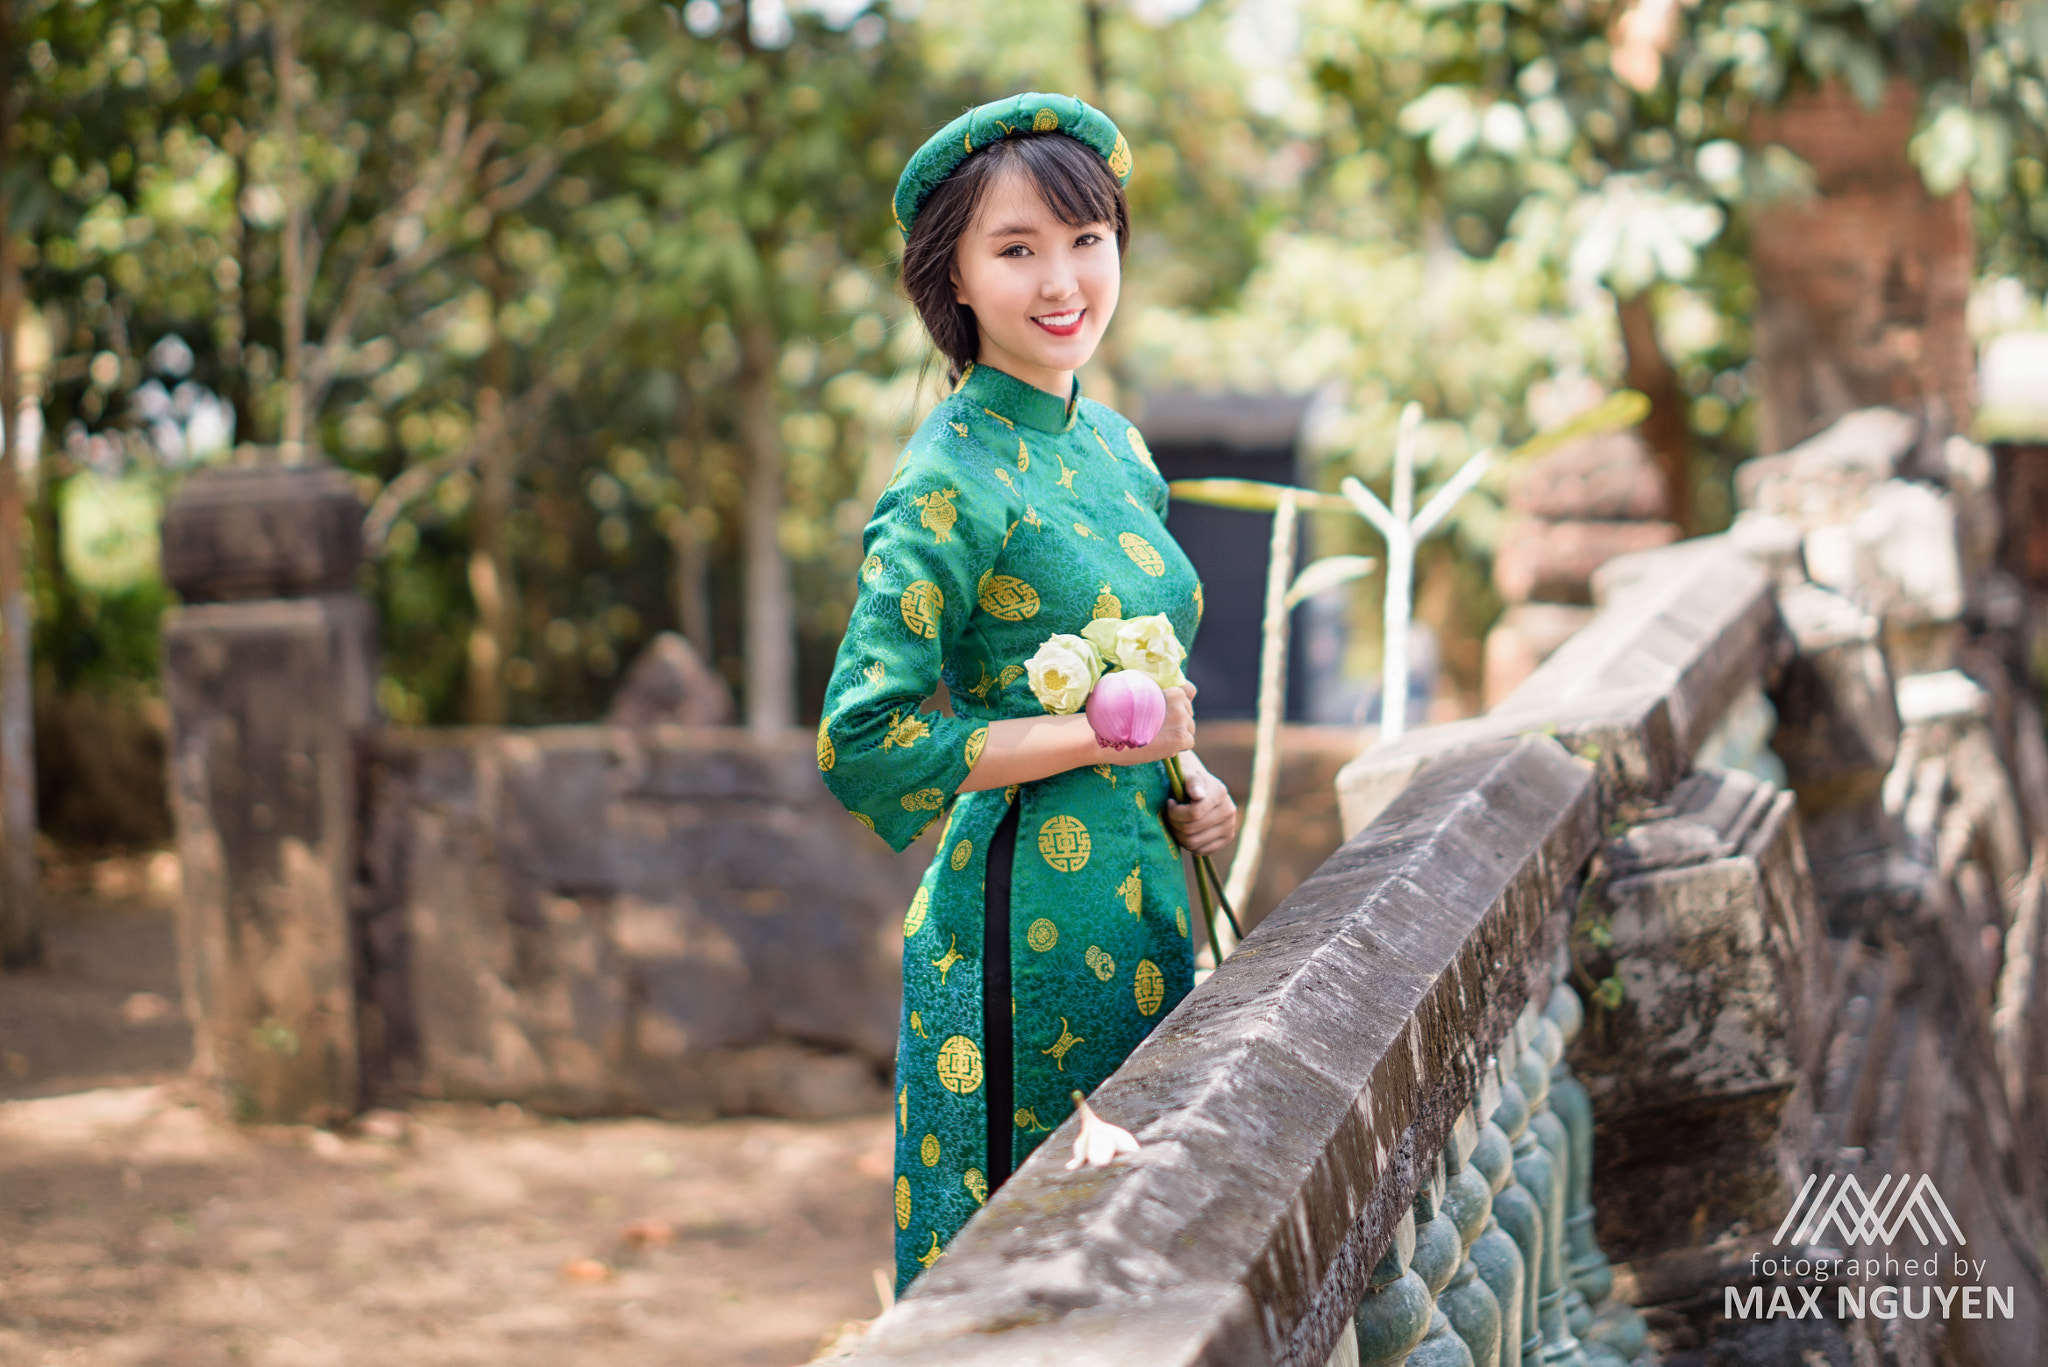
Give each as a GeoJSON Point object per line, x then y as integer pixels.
{"type": "Point", "coordinates": [285, 37]}
{"type": "Point", "coordinates": [1668, 428]}
{"type": "Point", "coordinates": [491, 585]}
{"type": "Point", "coordinates": [1098, 61]}
{"type": "Point", "coordinates": [771, 625]}
{"type": "Point", "coordinates": [20, 925]}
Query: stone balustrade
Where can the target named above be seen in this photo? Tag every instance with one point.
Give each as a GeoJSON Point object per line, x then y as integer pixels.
{"type": "Point", "coordinates": [1362, 1141]}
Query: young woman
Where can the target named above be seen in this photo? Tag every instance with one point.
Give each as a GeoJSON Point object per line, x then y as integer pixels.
{"type": "Point", "coordinates": [1051, 933]}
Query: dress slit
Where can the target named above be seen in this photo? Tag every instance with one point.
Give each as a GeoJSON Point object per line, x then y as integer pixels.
{"type": "Point", "coordinates": [996, 1025]}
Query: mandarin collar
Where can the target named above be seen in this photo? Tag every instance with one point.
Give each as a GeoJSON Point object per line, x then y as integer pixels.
{"type": "Point", "coordinates": [1008, 397]}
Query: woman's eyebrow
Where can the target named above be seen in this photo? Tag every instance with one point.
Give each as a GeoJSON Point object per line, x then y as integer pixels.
{"type": "Point", "coordinates": [1014, 230]}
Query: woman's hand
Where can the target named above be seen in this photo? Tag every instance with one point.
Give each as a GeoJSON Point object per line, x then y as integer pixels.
{"type": "Point", "coordinates": [1176, 733]}
{"type": "Point", "coordinates": [1207, 821]}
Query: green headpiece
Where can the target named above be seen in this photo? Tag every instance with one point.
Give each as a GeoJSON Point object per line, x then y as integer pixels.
{"type": "Point", "coordinates": [1029, 113]}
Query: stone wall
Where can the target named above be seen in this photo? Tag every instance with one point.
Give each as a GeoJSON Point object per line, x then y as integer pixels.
{"type": "Point", "coordinates": [600, 919]}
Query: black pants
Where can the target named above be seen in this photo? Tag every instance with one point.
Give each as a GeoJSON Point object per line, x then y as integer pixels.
{"type": "Point", "coordinates": [996, 1023]}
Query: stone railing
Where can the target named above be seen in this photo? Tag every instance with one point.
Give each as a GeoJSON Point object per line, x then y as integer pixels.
{"type": "Point", "coordinates": [1361, 1141]}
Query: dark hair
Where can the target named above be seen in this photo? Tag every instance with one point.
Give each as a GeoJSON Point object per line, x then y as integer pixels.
{"type": "Point", "coordinates": [1071, 178]}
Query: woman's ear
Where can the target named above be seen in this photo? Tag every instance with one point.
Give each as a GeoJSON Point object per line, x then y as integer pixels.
{"type": "Point", "coordinates": [959, 287]}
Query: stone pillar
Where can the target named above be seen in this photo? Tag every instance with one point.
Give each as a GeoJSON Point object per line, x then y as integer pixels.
{"type": "Point", "coordinates": [268, 670]}
{"type": "Point", "coordinates": [1861, 288]}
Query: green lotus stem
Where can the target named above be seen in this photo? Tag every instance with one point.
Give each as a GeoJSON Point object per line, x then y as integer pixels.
{"type": "Point", "coordinates": [1205, 872]}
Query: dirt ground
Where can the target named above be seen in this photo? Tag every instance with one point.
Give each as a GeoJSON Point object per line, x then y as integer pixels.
{"type": "Point", "coordinates": [138, 1231]}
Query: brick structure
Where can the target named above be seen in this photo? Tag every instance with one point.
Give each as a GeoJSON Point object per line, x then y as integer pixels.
{"type": "Point", "coordinates": [1572, 512]}
{"type": "Point", "coordinates": [1861, 288]}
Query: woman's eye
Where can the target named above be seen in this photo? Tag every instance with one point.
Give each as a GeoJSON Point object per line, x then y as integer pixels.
{"type": "Point", "coordinates": [1087, 239]}
{"type": "Point", "coordinates": [1015, 249]}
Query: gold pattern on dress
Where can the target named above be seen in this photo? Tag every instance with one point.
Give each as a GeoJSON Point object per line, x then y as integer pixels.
{"type": "Point", "coordinates": [1045, 121]}
{"type": "Point", "coordinates": [939, 514]}
{"type": "Point", "coordinates": [922, 603]}
{"type": "Point", "coordinates": [1066, 479]}
{"type": "Point", "coordinates": [827, 756]}
{"type": "Point", "coordinates": [1063, 841]}
{"type": "Point", "coordinates": [1107, 771]}
{"type": "Point", "coordinates": [1042, 935]}
{"type": "Point", "coordinates": [1142, 554]}
{"type": "Point", "coordinates": [924, 800]}
{"type": "Point", "coordinates": [913, 920]}
{"type": "Point", "coordinates": [903, 1203]}
{"type": "Point", "coordinates": [1099, 961]}
{"type": "Point", "coordinates": [1106, 448]}
{"type": "Point", "coordinates": [1067, 1040]}
{"type": "Point", "coordinates": [959, 427]}
{"type": "Point", "coordinates": [1004, 476]}
{"type": "Point", "coordinates": [959, 1065]}
{"type": "Point", "coordinates": [905, 731]}
{"type": "Point", "coordinates": [977, 1184]}
{"type": "Point", "coordinates": [1198, 604]}
{"type": "Point", "coordinates": [903, 1110]}
{"type": "Point", "coordinates": [1180, 919]}
{"type": "Point", "coordinates": [1007, 598]}
{"type": "Point", "coordinates": [1132, 499]}
{"type": "Point", "coordinates": [1010, 675]}
{"type": "Point", "coordinates": [864, 819]}
{"type": "Point", "coordinates": [929, 1151]}
{"type": "Point", "coordinates": [1009, 532]}
{"type": "Point", "coordinates": [932, 1254]}
{"type": "Point", "coordinates": [1027, 1119]}
{"type": "Point", "coordinates": [1010, 793]}
{"type": "Point", "coordinates": [962, 852]}
{"type": "Point", "coordinates": [876, 672]}
{"type": "Point", "coordinates": [988, 681]}
{"type": "Point", "coordinates": [917, 1025]}
{"type": "Point", "coordinates": [1120, 158]}
{"type": "Point", "coordinates": [871, 569]}
{"type": "Point", "coordinates": [1133, 890]}
{"type": "Point", "coordinates": [971, 752]}
{"type": "Point", "coordinates": [1107, 604]}
{"type": "Point", "coordinates": [928, 820]}
{"type": "Point", "coordinates": [1001, 419]}
{"type": "Point", "coordinates": [1148, 986]}
{"type": "Point", "coordinates": [1081, 529]}
{"type": "Point", "coordinates": [1032, 519]}
{"type": "Point", "coordinates": [944, 963]}
{"type": "Point", "coordinates": [1138, 447]}
{"type": "Point", "coordinates": [1023, 457]}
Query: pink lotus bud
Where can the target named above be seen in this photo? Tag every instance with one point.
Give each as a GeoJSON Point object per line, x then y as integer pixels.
{"type": "Point", "coordinates": [1126, 709]}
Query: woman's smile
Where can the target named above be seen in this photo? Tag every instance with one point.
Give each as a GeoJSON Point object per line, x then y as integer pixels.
{"type": "Point", "coordinates": [1062, 324]}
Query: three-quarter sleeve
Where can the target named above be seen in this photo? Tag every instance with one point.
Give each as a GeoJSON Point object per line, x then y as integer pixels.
{"type": "Point", "coordinates": [936, 530]}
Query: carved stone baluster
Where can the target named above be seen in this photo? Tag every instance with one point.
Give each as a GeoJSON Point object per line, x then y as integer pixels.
{"type": "Point", "coordinates": [1545, 1158]}
{"type": "Point", "coordinates": [1438, 1251]}
{"type": "Point", "coordinates": [1495, 1253]}
{"type": "Point", "coordinates": [1588, 1269]}
{"type": "Point", "coordinates": [1394, 1314]}
{"type": "Point", "coordinates": [1520, 1213]}
{"type": "Point", "coordinates": [1469, 1302]}
{"type": "Point", "coordinates": [1610, 1332]}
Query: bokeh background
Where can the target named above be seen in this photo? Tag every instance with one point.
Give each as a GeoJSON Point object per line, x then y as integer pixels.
{"type": "Point", "coordinates": [580, 292]}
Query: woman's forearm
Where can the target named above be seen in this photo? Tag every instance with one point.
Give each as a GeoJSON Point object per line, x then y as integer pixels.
{"type": "Point", "coordinates": [1026, 749]}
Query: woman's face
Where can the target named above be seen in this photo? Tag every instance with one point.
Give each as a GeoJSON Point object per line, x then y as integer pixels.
{"type": "Point", "coordinates": [1042, 291]}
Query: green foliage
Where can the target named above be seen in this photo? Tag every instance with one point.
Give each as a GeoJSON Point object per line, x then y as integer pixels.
{"type": "Point", "coordinates": [551, 242]}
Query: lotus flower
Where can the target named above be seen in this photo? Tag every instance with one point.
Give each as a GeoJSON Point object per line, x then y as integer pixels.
{"type": "Point", "coordinates": [1099, 1142]}
{"type": "Point", "coordinates": [1126, 709]}
{"type": "Point", "coordinates": [1062, 672]}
